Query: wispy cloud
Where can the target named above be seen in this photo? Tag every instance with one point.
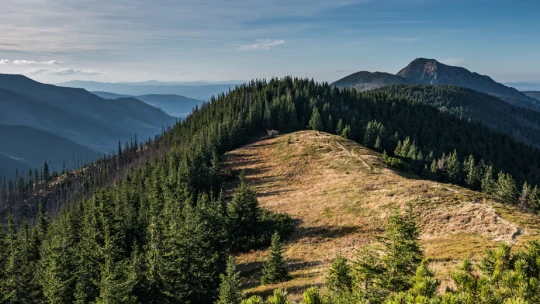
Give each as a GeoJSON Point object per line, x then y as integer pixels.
{"type": "Point", "coordinates": [4, 61]}
{"type": "Point", "coordinates": [453, 61]}
{"type": "Point", "coordinates": [29, 62]}
{"type": "Point", "coordinates": [261, 45]}
{"type": "Point", "coordinates": [62, 72]}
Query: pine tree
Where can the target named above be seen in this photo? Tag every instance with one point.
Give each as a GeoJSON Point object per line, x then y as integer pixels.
{"type": "Point", "coordinates": [453, 168]}
{"type": "Point", "coordinates": [488, 183]}
{"type": "Point", "coordinates": [402, 251]}
{"type": "Point", "coordinates": [312, 296]}
{"type": "Point", "coordinates": [525, 197]}
{"type": "Point", "coordinates": [339, 127]}
{"type": "Point", "coordinates": [279, 297]}
{"type": "Point", "coordinates": [243, 215]}
{"type": "Point", "coordinates": [230, 291]}
{"type": "Point", "coordinates": [506, 188]}
{"type": "Point", "coordinates": [378, 144]}
{"type": "Point", "coordinates": [315, 123]}
{"type": "Point", "coordinates": [339, 277]}
{"type": "Point", "coordinates": [275, 268]}
{"type": "Point", "coordinates": [424, 283]}
{"type": "Point", "coordinates": [346, 133]}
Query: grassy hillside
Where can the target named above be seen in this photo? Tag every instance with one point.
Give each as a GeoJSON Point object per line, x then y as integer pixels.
{"type": "Point", "coordinates": [340, 193]}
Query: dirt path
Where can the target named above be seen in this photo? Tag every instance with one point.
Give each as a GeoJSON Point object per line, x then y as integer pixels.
{"type": "Point", "coordinates": [352, 154]}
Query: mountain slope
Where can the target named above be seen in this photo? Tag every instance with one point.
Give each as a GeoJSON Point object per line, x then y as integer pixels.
{"type": "Point", "coordinates": [200, 92]}
{"type": "Point", "coordinates": [77, 114]}
{"type": "Point", "coordinates": [432, 72]}
{"type": "Point", "coordinates": [522, 124]}
{"type": "Point", "coordinates": [32, 147]}
{"type": "Point", "coordinates": [364, 80]}
{"type": "Point", "coordinates": [341, 193]}
{"type": "Point", "coordinates": [174, 105]}
{"type": "Point", "coordinates": [533, 94]}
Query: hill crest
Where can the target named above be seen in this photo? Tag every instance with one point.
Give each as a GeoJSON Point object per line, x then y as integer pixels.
{"type": "Point", "coordinates": [340, 193]}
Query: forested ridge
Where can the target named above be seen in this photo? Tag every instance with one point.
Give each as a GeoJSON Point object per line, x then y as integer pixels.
{"type": "Point", "coordinates": [520, 123]}
{"type": "Point", "coordinates": [149, 224]}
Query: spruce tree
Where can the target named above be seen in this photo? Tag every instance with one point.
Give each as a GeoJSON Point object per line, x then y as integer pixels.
{"type": "Point", "coordinates": [346, 133]}
{"type": "Point", "coordinates": [275, 268]}
{"type": "Point", "coordinates": [506, 188]}
{"type": "Point", "coordinates": [243, 215]}
{"type": "Point", "coordinates": [230, 291]}
{"type": "Point", "coordinates": [339, 127]}
{"type": "Point", "coordinates": [402, 251]}
{"type": "Point", "coordinates": [488, 183]}
{"type": "Point", "coordinates": [312, 296]}
{"type": "Point", "coordinates": [315, 123]}
{"type": "Point", "coordinates": [339, 278]}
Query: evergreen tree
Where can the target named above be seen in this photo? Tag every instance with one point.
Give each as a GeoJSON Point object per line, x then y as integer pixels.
{"type": "Point", "coordinates": [402, 251]}
{"type": "Point", "coordinates": [453, 168]}
{"type": "Point", "coordinates": [488, 183]}
{"type": "Point", "coordinates": [243, 215]}
{"type": "Point", "coordinates": [279, 297]}
{"type": "Point", "coordinates": [339, 127]}
{"type": "Point", "coordinates": [346, 133]}
{"type": "Point", "coordinates": [275, 268]}
{"type": "Point", "coordinates": [230, 291]}
{"type": "Point", "coordinates": [339, 277]}
{"type": "Point", "coordinates": [506, 188]}
{"type": "Point", "coordinates": [315, 123]}
{"type": "Point", "coordinates": [312, 296]}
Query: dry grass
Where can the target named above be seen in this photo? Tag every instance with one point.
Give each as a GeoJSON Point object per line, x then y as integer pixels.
{"type": "Point", "coordinates": [340, 195]}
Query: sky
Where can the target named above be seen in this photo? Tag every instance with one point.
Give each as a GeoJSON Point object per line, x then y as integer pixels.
{"type": "Point", "coordinates": [190, 40]}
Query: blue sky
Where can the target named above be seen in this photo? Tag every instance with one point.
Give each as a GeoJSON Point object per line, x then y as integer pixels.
{"type": "Point", "coordinates": [187, 40]}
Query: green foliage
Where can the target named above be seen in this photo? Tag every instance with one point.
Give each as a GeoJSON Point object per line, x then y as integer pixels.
{"type": "Point", "coordinates": [230, 291]}
{"type": "Point", "coordinates": [312, 296]}
{"type": "Point", "coordinates": [339, 278]}
{"type": "Point", "coordinates": [315, 122]}
{"type": "Point", "coordinates": [346, 132]}
{"type": "Point", "coordinates": [396, 163]}
{"type": "Point", "coordinates": [279, 297]}
{"type": "Point", "coordinates": [253, 300]}
{"type": "Point", "coordinates": [275, 268]}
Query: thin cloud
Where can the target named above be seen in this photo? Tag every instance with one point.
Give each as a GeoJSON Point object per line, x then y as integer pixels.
{"type": "Point", "coordinates": [4, 61]}
{"type": "Point", "coordinates": [62, 72]}
{"type": "Point", "coordinates": [29, 62]}
{"type": "Point", "coordinates": [453, 61]}
{"type": "Point", "coordinates": [261, 45]}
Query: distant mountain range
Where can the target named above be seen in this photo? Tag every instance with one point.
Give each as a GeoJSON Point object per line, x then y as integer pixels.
{"type": "Point", "coordinates": [432, 72]}
{"type": "Point", "coordinates": [362, 81]}
{"type": "Point", "coordinates": [524, 86]}
{"type": "Point", "coordinates": [80, 122]}
{"type": "Point", "coordinates": [533, 94]}
{"type": "Point", "coordinates": [195, 90]}
{"type": "Point", "coordinates": [174, 105]}
{"type": "Point", "coordinates": [25, 147]}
